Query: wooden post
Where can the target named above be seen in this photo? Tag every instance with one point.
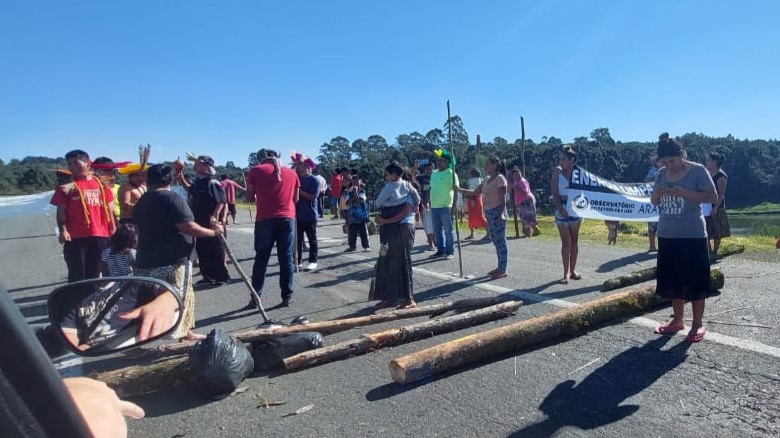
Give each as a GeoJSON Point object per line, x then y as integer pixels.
{"type": "Point", "coordinates": [569, 322]}
{"type": "Point", "coordinates": [716, 279]}
{"type": "Point", "coordinates": [337, 325]}
{"type": "Point", "coordinates": [400, 335]}
{"type": "Point", "coordinates": [147, 378]}
{"type": "Point", "coordinates": [522, 143]}
{"type": "Point", "coordinates": [455, 221]}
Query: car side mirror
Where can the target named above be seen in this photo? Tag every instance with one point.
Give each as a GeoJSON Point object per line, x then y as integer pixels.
{"type": "Point", "coordinates": [111, 314]}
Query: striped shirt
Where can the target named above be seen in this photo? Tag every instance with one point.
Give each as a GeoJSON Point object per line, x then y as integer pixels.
{"type": "Point", "coordinates": [119, 264]}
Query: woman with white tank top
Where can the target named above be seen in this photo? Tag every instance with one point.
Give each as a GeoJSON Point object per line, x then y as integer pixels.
{"type": "Point", "coordinates": [568, 226]}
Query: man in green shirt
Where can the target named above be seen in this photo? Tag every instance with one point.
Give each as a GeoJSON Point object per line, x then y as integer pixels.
{"type": "Point", "coordinates": [444, 188]}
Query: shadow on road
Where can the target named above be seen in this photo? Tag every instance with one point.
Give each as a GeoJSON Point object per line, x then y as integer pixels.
{"type": "Point", "coordinates": [596, 401]}
{"type": "Point", "coordinates": [627, 260]}
{"type": "Point", "coordinates": [172, 401]}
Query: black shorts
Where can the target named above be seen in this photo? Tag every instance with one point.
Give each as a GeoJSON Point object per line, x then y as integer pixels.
{"type": "Point", "coordinates": [232, 209]}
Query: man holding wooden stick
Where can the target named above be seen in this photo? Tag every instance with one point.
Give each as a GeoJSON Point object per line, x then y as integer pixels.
{"type": "Point", "coordinates": [274, 188]}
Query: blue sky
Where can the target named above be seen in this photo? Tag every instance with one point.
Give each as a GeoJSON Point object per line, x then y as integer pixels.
{"type": "Point", "coordinates": [225, 78]}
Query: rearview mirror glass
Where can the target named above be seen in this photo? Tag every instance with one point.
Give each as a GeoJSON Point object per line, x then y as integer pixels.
{"type": "Point", "coordinates": [107, 315]}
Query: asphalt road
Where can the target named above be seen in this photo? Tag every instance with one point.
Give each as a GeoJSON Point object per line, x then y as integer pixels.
{"type": "Point", "coordinates": [636, 383]}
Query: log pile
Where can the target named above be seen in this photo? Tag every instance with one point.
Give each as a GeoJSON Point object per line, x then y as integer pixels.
{"type": "Point", "coordinates": [400, 335]}
{"type": "Point", "coordinates": [337, 325]}
{"type": "Point", "coordinates": [143, 379]}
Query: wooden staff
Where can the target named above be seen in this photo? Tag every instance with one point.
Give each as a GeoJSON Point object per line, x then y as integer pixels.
{"type": "Point", "coordinates": [455, 192]}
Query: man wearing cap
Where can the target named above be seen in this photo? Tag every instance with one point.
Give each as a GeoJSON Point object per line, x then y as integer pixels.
{"type": "Point", "coordinates": [306, 209]}
{"type": "Point", "coordinates": [208, 206]}
{"type": "Point", "coordinates": [274, 189]}
{"type": "Point", "coordinates": [131, 191]}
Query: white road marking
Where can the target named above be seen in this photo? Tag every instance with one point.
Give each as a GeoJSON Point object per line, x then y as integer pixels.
{"type": "Point", "coordinates": [731, 341]}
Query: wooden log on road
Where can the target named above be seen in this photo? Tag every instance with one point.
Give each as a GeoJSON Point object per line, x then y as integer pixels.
{"type": "Point", "coordinates": [716, 279]}
{"type": "Point", "coordinates": [146, 378]}
{"type": "Point", "coordinates": [337, 325]}
{"type": "Point", "coordinates": [400, 335]}
{"type": "Point", "coordinates": [569, 322]}
{"type": "Point", "coordinates": [137, 380]}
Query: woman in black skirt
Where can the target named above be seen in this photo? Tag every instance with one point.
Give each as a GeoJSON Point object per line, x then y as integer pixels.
{"type": "Point", "coordinates": [393, 283]}
{"type": "Point", "coordinates": [681, 186]}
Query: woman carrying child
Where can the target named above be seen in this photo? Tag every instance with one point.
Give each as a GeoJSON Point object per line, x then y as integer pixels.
{"type": "Point", "coordinates": [393, 277]}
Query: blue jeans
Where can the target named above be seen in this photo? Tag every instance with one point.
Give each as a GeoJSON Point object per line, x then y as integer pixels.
{"type": "Point", "coordinates": [268, 232]}
{"type": "Point", "coordinates": [442, 227]}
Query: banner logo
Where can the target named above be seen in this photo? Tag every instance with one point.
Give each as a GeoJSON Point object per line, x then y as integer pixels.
{"type": "Point", "coordinates": [593, 197]}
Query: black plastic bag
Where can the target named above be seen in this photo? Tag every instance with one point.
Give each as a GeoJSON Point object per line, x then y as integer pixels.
{"type": "Point", "coordinates": [269, 354]}
{"type": "Point", "coordinates": [221, 363]}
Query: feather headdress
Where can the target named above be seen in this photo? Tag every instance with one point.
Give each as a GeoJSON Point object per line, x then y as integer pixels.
{"type": "Point", "coordinates": [445, 154]}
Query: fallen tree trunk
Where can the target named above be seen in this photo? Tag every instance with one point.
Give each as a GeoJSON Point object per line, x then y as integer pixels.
{"type": "Point", "coordinates": [337, 325]}
{"type": "Point", "coordinates": [400, 335]}
{"type": "Point", "coordinates": [479, 346]}
{"type": "Point", "coordinates": [143, 379]}
{"type": "Point", "coordinates": [716, 279]}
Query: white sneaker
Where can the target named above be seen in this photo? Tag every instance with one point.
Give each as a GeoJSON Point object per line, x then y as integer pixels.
{"type": "Point", "coordinates": [311, 266]}
{"type": "Point", "coordinates": [366, 249]}
{"type": "Point", "coordinates": [300, 266]}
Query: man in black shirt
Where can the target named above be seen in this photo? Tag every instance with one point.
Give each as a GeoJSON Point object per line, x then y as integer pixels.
{"type": "Point", "coordinates": [209, 206]}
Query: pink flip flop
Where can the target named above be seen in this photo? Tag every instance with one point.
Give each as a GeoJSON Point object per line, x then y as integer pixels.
{"type": "Point", "coordinates": [666, 329]}
{"type": "Point", "coordinates": [697, 337]}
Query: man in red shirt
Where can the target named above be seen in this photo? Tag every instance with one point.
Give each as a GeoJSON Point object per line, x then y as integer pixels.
{"type": "Point", "coordinates": [85, 218]}
{"type": "Point", "coordinates": [230, 187]}
{"type": "Point", "coordinates": [274, 189]}
{"type": "Point", "coordinates": [336, 184]}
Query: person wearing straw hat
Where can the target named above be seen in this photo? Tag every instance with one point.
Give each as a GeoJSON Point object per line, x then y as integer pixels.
{"type": "Point", "coordinates": [131, 191]}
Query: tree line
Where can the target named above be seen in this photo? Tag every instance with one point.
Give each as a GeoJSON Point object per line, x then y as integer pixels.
{"type": "Point", "coordinates": [754, 176]}
{"type": "Point", "coordinates": [751, 164]}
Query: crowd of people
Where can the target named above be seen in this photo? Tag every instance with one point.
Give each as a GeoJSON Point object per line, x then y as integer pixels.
{"type": "Point", "coordinates": [150, 224]}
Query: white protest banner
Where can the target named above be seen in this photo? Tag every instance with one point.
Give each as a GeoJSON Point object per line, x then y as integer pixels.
{"type": "Point", "coordinates": [593, 197]}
